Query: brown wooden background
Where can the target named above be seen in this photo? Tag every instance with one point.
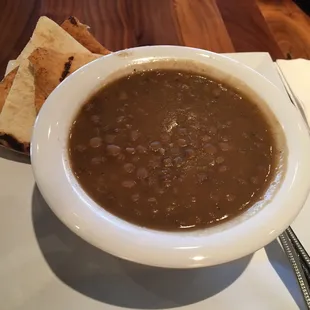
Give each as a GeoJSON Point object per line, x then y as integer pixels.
{"type": "Point", "coordinates": [275, 26]}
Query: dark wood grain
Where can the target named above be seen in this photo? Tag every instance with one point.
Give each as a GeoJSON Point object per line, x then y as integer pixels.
{"type": "Point", "coordinates": [289, 26]}
{"type": "Point", "coordinates": [17, 19]}
{"type": "Point", "coordinates": [198, 30]}
{"type": "Point", "coordinates": [216, 25]}
{"type": "Point", "coordinates": [247, 27]}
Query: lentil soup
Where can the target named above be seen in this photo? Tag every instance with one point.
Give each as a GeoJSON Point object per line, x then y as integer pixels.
{"type": "Point", "coordinates": [172, 149]}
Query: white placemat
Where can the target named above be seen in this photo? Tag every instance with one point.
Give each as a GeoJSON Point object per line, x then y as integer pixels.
{"type": "Point", "coordinates": [43, 265]}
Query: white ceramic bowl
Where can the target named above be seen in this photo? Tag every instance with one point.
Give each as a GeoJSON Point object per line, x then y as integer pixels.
{"type": "Point", "coordinates": [216, 245]}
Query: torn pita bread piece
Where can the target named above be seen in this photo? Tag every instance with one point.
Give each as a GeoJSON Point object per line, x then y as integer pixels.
{"type": "Point", "coordinates": [50, 68]}
{"type": "Point", "coordinates": [50, 35]}
{"type": "Point", "coordinates": [5, 86]}
{"type": "Point", "coordinates": [19, 110]}
{"type": "Point", "coordinates": [46, 34]}
{"type": "Point", "coordinates": [18, 114]}
{"type": "Point", "coordinates": [80, 32]}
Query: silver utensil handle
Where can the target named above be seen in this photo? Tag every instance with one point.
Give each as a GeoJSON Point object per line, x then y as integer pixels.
{"type": "Point", "coordinates": [296, 264]}
{"type": "Point", "coordinates": [299, 248]}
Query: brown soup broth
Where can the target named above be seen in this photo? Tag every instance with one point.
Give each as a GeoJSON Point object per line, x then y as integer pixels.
{"type": "Point", "coordinates": [172, 149]}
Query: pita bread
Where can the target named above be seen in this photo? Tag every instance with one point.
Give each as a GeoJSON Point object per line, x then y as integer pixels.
{"type": "Point", "coordinates": [5, 86]}
{"type": "Point", "coordinates": [44, 35]}
{"type": "Point", "coordinates": [18, 113]}
{"type": "Point", "coordinates": [50, 35]}
{"type": "Point", "coordinates": [80, 32]}
{"type": "Point", "coordinates": [50, 68]}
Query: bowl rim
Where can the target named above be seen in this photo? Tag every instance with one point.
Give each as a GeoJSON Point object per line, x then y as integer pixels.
{"type": "Point", "coordinates": [163, 249]}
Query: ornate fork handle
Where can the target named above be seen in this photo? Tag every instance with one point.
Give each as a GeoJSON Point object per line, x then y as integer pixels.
{"type": "Point", "coordinates": [299, 260]}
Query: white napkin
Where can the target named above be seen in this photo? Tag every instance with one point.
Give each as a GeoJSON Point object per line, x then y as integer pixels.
{"type": "Point", "coordinates": [295, 75]}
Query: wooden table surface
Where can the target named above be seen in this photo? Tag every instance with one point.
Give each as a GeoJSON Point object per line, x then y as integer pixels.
{"type": "Point", "coordinates": [275, 26]}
